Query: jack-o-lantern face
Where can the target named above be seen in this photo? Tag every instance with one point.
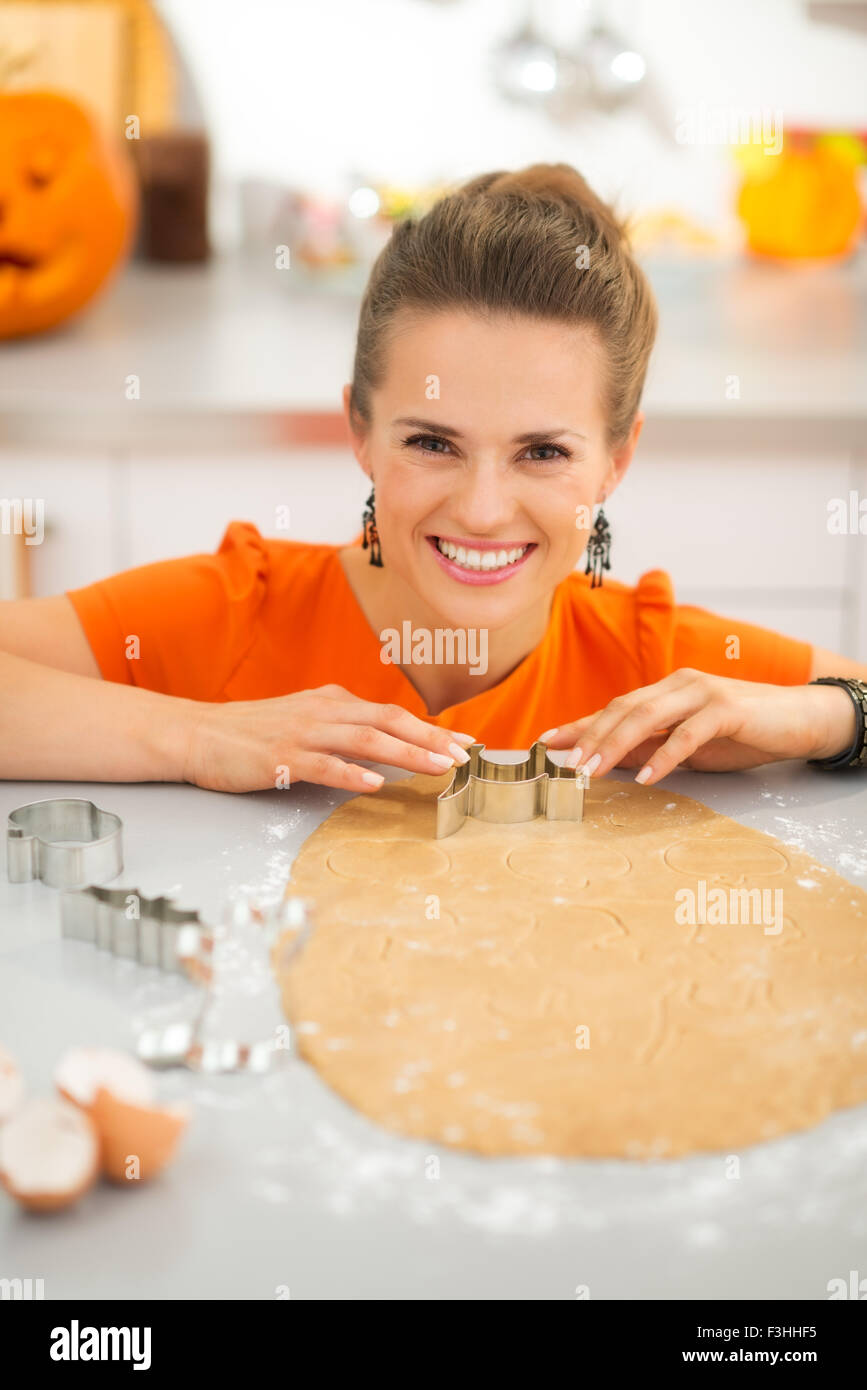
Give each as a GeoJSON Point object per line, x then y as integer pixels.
{"type": "Point", "coordinates": [68, 204]}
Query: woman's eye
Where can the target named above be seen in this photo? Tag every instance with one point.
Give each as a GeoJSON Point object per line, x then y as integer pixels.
{"type": "Point", "coordinates": [544, 453]}
{"type": "Point", "coordinates": [537, 453]}
{"type": "Point", "coordinates": [430, 443]}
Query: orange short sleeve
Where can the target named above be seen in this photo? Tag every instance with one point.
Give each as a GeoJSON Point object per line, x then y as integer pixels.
{"type": "Point", "coordinates": [194, 617]}
{"type": "Point", "coordinates": [731, 647]}
{"type": "Point", "coordinates": [654, 623]}
{"type": "Point", "coordinates": [670, 636]}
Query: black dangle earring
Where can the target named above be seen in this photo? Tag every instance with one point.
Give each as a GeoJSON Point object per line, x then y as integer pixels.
{"type": "Point", "coordinates": [599, 550]}
{"type": "Point", "coordinates": [371, 534]}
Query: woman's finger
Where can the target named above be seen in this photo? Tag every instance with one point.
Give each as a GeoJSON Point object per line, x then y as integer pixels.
{"type": "Point", "coordinates": [343, 696]}
{"type": "Point", "coordinates": [631, 719]}
{"type": "Point", "coordinates": [567, 735]}
{"type": "Point", "coordinates": [579, 734]}
{"type": "Point", "coordinates": [642, 752]}
{"type": "Point", "coordinates": [372, 744]}
{"type": "Point", "coordinates": [635, 757]}
{"type": "Point", "coordinates": [394, 720]}
{"type": "Point", "coordinates": [328, 771]}
{"type": "Point", "coordinates": [700, 728]}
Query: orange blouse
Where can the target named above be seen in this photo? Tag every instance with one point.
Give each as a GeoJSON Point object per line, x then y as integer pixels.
{"type": "Point", "coordinates": [268, 617]}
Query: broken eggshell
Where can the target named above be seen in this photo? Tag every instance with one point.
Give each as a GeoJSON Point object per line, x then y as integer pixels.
{"type": "Point", "coordinates": [137, 1141]}
{"type": "Point", "coordinates": [137, 1137]}
{"type": "Point", "coordinates": [82, 1070]}
{"type": "Point", "coordinates": [49, 1154]}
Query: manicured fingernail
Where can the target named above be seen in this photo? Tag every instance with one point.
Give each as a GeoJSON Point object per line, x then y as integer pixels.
{"type": "Point", "coordinates": [543, 738]}
{"type": "Point", "coordinates": [591, 766]}
{"type": "Point", "coordinates": [466, 739]}
{"type": "Point", "coordinates": [372, 779]}
{"type": "Point", "coordinates": [573, 757]}
{"type": "Point", "coordinates": [440, 759]}
{"type": "Point", "coordinates": [458, 753]}
{"type": "Point", "coordinates": [645, 774]}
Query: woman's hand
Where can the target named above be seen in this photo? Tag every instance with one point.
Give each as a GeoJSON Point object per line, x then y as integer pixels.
{"type": "Point", "coordinates": [712, 723]}
{"type": "Point", "coordinates": [248, 745]}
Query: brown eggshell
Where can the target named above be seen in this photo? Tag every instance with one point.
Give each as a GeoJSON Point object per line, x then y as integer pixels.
{"type": "Point", "coordinates": [149, 1133]}
{"type": "Point", "coordinates": [49, 1154]}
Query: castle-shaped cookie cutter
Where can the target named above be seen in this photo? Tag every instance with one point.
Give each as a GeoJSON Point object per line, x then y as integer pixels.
{"type": "Point", "coordinates": [152, 931]}
{"type": "Point", "coordinates": [510, 792]}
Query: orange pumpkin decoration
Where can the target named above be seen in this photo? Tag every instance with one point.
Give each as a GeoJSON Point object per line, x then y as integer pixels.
{"type": "Point", "coordinates": [68, 204]}
{"type": "Point", "coordinates": [802, 203]}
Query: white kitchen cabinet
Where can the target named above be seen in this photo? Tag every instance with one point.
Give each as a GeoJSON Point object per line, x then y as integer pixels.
{"type": "Point", "coordinates": [179, 504]}
{"type": "Point", "coordinates": [83, 509]}
{"type": "Point", "coordinates": [748, 536]}
{"type": "Point", "coordinates": [747, 523]}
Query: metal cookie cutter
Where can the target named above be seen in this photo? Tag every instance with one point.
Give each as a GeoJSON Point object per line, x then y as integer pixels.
{"type": "Point", "coordinates": [510, 792]}
{"type": "Point", "coordinates": [152, 931]}
{"type": "Point", "coordinates": [40, 836]}
{"type": "Point", "coordinates": [240, 1025]}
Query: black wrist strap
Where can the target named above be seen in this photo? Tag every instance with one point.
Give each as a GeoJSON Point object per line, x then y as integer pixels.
{"type": "Point", "coordinates": [856, 754]}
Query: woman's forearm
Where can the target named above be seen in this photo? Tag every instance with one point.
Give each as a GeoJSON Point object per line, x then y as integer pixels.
{"type": "Point", "coordinates": [55, 726]}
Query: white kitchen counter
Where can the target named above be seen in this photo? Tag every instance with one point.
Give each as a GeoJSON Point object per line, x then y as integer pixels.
{"type": "Point", "coordinates": [279, 1183]}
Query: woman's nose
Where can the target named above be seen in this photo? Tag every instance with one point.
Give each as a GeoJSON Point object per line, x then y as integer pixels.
{"type": "Point", "coordinates": [482, 502]}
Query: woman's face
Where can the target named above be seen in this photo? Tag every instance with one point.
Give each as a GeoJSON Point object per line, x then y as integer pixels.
{"type": "Point", "coordinates": [487, 450]}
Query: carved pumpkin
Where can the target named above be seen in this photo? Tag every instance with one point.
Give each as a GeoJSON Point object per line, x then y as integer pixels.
{"type": "Point", "coordinates": [68, 203]}
{"type": "Point", "coordinates": [802, 203]}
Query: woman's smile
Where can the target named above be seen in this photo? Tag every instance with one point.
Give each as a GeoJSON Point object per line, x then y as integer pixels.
{"type": "Point", "coordinates": [480, 562]}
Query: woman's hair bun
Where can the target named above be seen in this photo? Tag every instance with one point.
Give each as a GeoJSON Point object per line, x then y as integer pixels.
{"type": "Point", "coordinates": [536, 242]}
{"type": "Point", "coordinates": [558, 183]}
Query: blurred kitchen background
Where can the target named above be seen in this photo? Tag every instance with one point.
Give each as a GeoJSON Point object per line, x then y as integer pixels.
{"type": "Point", "coordinates": [252, 157]}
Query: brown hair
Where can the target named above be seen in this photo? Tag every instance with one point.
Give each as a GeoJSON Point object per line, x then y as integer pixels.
{"type": "Point", "coordinates": [509, 243]}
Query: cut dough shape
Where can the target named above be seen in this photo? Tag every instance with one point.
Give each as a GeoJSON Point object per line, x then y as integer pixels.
{"type": "Point", "coordinates": [574, 864]}
{"type": "Point", "coordinates": [731, 861]}
{"type": "Point", "coordinates": [466, 1028]}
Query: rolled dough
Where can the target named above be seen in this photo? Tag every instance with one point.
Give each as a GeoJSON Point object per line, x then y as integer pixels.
{"type": "Point", "coordinates": [539, 988]}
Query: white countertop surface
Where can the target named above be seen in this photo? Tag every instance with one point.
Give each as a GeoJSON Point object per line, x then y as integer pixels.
{"type": "Point", "coordinates": [279, 1183]}
{"type": "Point", "coordinates": [239, 348]}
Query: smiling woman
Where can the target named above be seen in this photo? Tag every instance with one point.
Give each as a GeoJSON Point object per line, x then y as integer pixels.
{"type": "Point", "coordinates": [495, 404]}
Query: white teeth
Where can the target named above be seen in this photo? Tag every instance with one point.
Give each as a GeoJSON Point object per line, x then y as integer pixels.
{"type": "Point", "coordinates": [480, 559]}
